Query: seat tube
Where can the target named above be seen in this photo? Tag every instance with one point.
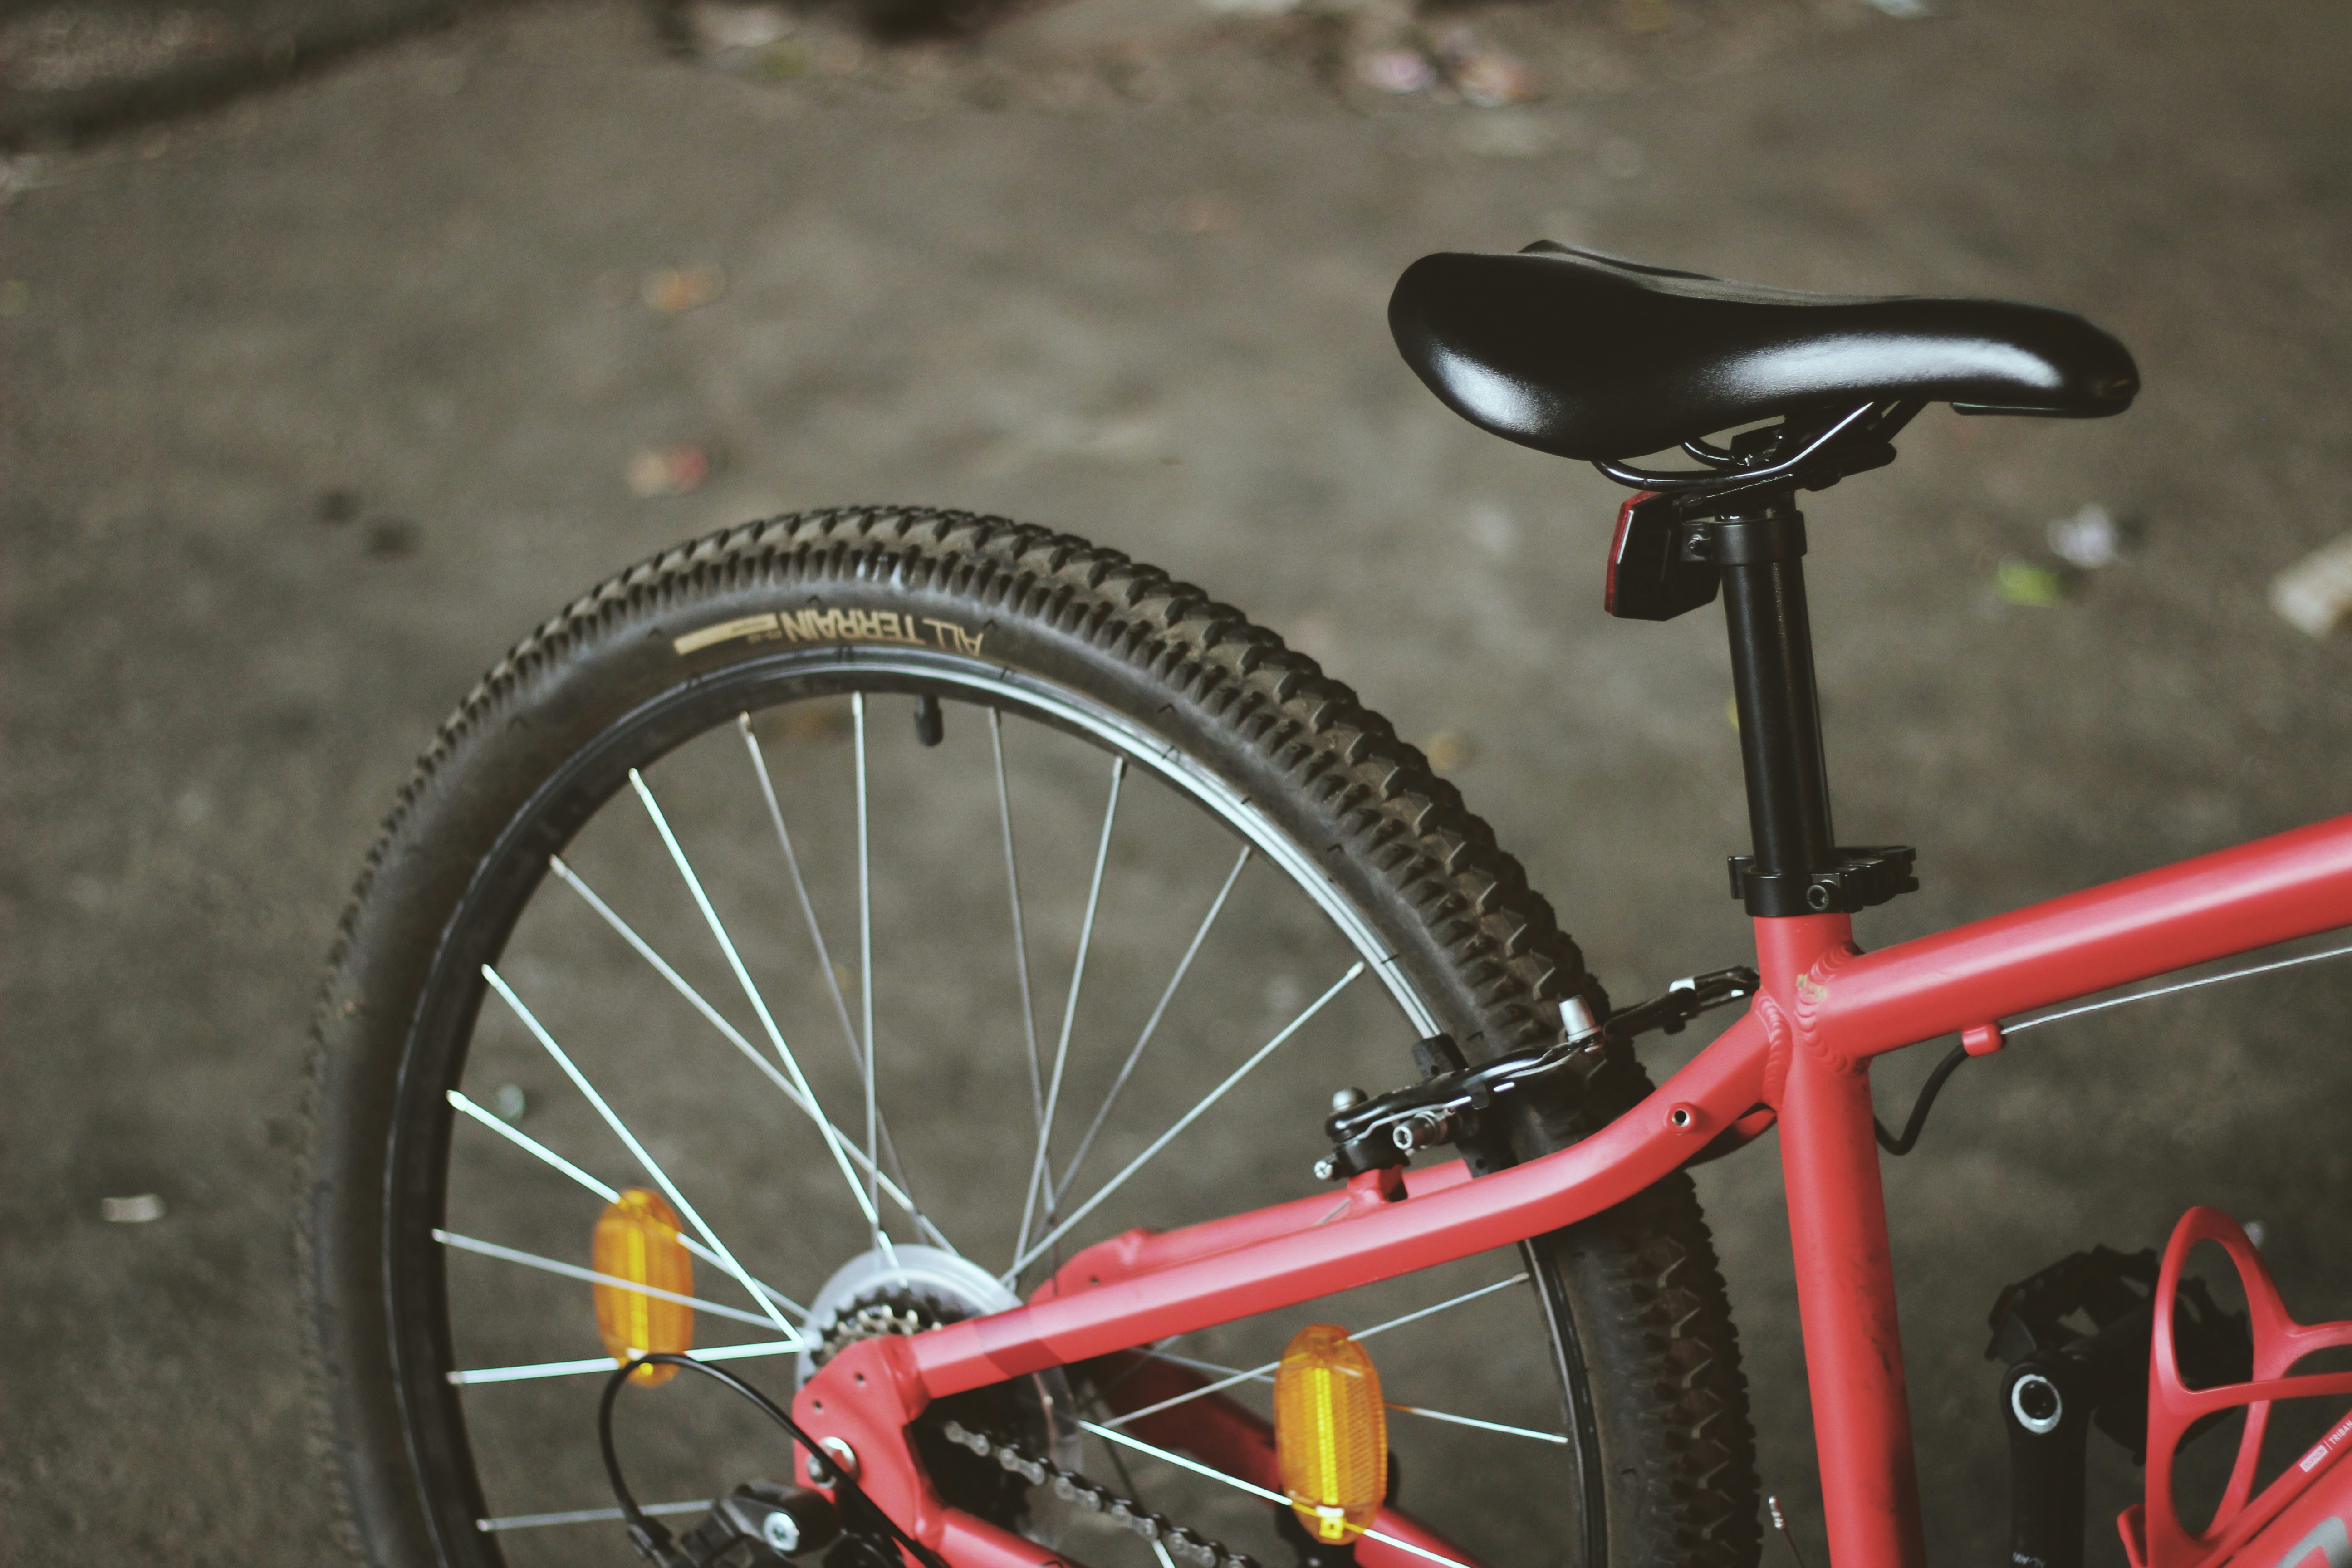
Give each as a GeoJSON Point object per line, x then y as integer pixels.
{"type": "Point", "coordinates": [1845, 1277]}
{"type": "Point", "coordinates": [1829, 1155]}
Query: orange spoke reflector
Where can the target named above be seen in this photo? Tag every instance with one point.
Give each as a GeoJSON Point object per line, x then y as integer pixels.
{"type": "Point", "coordinates": [1330, 1433]}
{"type": "Point", "coordinates": [636, 1240]}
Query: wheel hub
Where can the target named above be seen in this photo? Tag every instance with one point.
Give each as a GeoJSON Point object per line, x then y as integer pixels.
{"type": "Point", "coordinates": [902, 1290]}
{"type": "Point", "coordinates": [908, 1290]}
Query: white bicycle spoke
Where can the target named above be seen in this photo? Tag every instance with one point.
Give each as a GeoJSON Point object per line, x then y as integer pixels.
{"type": "Point", "coordinates": [1020, 936]}
{"type": "Point", "coordinates": [1447, 1305]}
{"type": "Point", "coordinates": [1232, 1380]}
{"type": "Point", "coordinates": [1111, 1435]}
{"type": "Point", "coordinates": [1151, 1025]}
{"type": "Point", "coordinates": [651, 1166]}
{"type": "Point", "coordinates": [1041, 1170]}
{"type": "Point", "coordinates": [1183, 1462]}
{"type": "Point", "coordinates": [1217, 1094]}
{"type": "Point", "coordinates": [750, 1052]}
{"type": "Point", "coordinates": [1452, 1419]}
{"type": "Point", "coordinates": [800, 883]}
{"type": "Point", "coordinates": [1262, 1374]}
{"type": "Point", "coordinates": [866, 983]}
{"type": "Point", "coordinates": [533, 1147]}
{"type": "Point", "coordinates": [574, 1271]}
{"type": "Point", "coordinates": [1265, 1373]}
{"type": "Point", "coordinates": [586, 1516]}
{"type": "Point", "coordinates": [606, 1363]}
{"type": "Point", "coordinates": [759, 1004]}
{"type": "Point", "coordinates": [824, 954]}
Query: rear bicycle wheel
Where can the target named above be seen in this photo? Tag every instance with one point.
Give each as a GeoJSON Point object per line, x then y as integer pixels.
{"type": "Point", "coordinates": [912, 899]}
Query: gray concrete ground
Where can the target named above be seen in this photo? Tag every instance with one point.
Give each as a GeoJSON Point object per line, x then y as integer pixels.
{"type": "Point", "coordinates": [1152, 317]}
{"type": "Point", "coordinates": [72, 70]}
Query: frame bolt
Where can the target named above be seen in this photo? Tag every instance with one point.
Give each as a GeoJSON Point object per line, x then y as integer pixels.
{"type": "Point", "coordinates": [2034, 1400]}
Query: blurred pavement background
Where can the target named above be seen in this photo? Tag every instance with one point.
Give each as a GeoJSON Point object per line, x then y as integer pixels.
{"type": "Point", "coordinates": [311, 403]}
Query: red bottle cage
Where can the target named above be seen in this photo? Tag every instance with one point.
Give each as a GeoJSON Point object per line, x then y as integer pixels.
{"type": "Point", "coordinates": [2153, 1533]}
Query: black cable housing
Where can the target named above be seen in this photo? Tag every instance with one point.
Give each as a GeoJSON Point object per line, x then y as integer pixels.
{"type": "Point", "coordinates": [1920, 1109]}
{"type": "Point", "coordinates": [653, 1539]}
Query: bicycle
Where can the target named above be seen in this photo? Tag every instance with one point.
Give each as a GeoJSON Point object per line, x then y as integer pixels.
{"type": "Point", "coordinates": [703, 749]}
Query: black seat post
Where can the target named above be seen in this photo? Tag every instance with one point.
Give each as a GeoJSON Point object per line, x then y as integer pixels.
{"type": "Point", "coordinates": [1761, 556]}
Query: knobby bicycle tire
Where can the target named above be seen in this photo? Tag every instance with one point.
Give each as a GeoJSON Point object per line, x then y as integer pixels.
{"type": "Point", "coordinates": [1640, 1327]}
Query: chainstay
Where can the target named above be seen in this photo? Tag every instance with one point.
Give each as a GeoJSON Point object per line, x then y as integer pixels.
{"type": "Point", "coordinates": [1180, 1542]}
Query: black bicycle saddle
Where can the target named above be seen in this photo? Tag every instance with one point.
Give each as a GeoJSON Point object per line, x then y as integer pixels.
{"type": "Point", "coordinates": [1588, 356]}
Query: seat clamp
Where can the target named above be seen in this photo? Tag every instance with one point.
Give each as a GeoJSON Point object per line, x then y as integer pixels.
{"type": "Point", "coordinates": [1777, 535]}
{"type": "Point", "coordinates": [1865, 876]}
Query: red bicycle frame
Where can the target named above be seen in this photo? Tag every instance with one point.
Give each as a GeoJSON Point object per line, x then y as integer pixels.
{"type": "Point", "coordinates": [1801, 1058]}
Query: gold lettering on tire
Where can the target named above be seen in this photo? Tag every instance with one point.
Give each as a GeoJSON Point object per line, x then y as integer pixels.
{"type": "Point", "coordinates": [836, 627]}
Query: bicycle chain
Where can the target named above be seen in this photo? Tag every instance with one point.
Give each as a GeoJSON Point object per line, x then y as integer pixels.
{"type": "Point", "coordinates": [1182, 1542]}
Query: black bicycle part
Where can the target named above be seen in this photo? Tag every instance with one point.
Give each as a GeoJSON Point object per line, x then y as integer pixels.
{"type": "Point", "coordinates": [1180, 1542]}
{"type": "Point", "coordinates": [1587, 355]}
{"type": "Point", "coordinates": [1670, 1010]}
{"type": "Point", "coordinates": [1779, 714]}
{"type": "Point", "coordinates": [2063, 1381]}
{"type": "Point", "coordinates": [2115, 1291]}
{"type": "Point", "coordinates": [1312, 1553]}
{"type": "Point", "coordinates": [1807, 452]}
{"type": "Point", "coordinates": [1921, 1106]}
{"type": "Point", "coordinates": [762, 1525]}
{"type": "Point", "coordinates": [1650, 577]}
{"type": "Point", "coordinates": [2046, 1402]}
{"type": "Point", "coordinates": [856, 1513]}
{"type": "Point", "coordinates": [1733, 526]}
{"type": "Point", "coordinates": [1594, 357]}
{"type": "Point", "coordinates": [1865, 876]}
{"type": "Point", "coordinates": [1452, 1102]}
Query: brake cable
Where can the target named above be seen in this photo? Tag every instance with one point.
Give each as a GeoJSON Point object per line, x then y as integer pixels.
{"type": "Point", "coordinates": [1945, 1068]}
{"type": "Point", "coordinates": [1920, 1108]}
{"type": "Point", "coordinates": [655, 1541]}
